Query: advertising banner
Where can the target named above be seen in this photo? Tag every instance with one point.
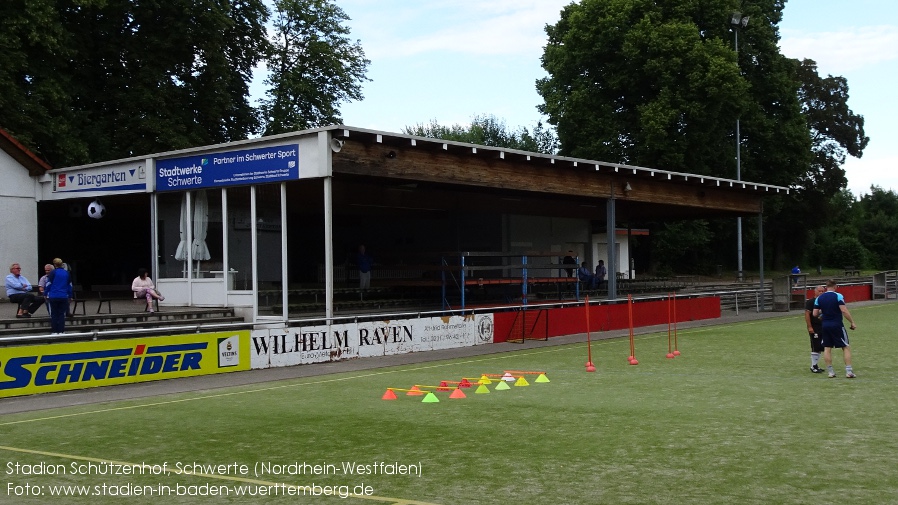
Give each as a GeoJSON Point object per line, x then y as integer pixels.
{"type": "Point", "coordinates": [118, 179]}
{"type": "Point", "coordinates": [315, 344]}
{"type": "Point", "coordinates": [247, 166]}
{"type": "Point", "coordinates": [79, 365]}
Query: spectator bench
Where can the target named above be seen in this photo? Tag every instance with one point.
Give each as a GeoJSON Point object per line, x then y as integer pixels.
{"type": "Point", "coordinates": [105, 294]}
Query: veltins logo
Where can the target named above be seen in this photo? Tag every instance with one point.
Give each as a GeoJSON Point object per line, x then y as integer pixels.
{"type": "Point", "coordinates": [60, 181]}
{"type": "Point", "coordinates": [485, 328]}
{"type": "Point", "coordinates": [228, 351]}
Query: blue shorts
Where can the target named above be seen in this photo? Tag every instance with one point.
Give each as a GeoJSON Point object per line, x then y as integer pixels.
{"type": "Point", "coordinates": [835, 336]}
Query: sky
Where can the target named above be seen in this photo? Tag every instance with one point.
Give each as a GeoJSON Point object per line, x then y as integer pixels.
{"type": "Point", "coordinates": [451, 60]}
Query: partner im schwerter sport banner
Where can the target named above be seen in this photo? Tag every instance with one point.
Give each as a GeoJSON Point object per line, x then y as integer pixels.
{"type": "Point", "coordinates": [287, 346]}
{"type": "Point", "coordinates": [34, 369]}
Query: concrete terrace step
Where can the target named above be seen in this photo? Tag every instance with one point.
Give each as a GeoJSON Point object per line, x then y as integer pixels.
{"type": "Point", "coordinates": [173, 317]}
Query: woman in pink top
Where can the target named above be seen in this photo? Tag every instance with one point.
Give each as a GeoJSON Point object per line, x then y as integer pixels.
{"type": "Point", "coordinates": [143, 287]}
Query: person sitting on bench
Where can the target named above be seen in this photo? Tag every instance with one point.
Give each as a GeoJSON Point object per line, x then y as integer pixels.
{"type": "Point", "coordinates": [586, 276]}
{"type": "Point", "coordinates": [143, 287]}
{"type": "Point", "coordinates": [18, 289]}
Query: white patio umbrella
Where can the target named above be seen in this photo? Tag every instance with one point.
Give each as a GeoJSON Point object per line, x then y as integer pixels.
{"type": "Point", "coordinates": [199, 249]}
{"type": "Point", "coordinates": [181, 251]}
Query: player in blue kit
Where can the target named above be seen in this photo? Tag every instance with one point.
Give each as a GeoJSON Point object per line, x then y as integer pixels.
{"type": "Point", "coordinates": [830, 307]}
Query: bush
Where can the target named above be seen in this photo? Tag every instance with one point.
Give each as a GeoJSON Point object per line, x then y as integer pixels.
{"type": "Point", "coordinates": [846, 251]}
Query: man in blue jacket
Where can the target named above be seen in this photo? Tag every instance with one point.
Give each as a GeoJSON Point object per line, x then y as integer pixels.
{"type": "Point", "coordinates": [59, 292]}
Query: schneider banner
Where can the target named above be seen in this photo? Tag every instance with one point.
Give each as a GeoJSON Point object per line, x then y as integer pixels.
{"type": "Point", "coordinates": [249, 166]}
{"type": "Point", "coordinates": [61, 367]}
{"type": "Point", "coordinates": [315, 344]}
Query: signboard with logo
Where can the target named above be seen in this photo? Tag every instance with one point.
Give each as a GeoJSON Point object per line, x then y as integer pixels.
{"type": "Point", "coordinates": [315, 344]}
{"type": "Point", "coordinates": [102, 180]}
{"type": "Point", "coordinates": [231, 168]}
{"type": "Point", "coordinates": [60, 367]}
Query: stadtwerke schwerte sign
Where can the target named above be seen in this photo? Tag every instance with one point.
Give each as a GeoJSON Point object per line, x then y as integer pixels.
{"type": "Point", "coordinates": [247, 166]}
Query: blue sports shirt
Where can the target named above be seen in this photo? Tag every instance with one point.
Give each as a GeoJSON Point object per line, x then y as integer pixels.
{"type": "Point", "coordinates": [830, 304]}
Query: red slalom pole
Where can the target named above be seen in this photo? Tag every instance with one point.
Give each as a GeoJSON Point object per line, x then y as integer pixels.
{"type": "Point", "coordinates": [670, 353]}
{"type": "Point", "coordinates": [676, 351]}
{"type": "Point", "coordinates": [589, 366]}
{"type": "Point", "coordinates": [632, 357]}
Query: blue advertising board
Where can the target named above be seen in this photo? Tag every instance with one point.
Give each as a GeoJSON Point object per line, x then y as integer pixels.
{"type": "Point", "coordinates": [249, 166]}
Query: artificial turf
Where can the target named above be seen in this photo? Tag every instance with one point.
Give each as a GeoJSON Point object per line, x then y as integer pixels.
{"type": "Point", "coordinates": [737, 418]}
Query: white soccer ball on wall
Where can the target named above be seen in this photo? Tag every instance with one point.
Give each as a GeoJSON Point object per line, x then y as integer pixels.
{"type": "Point", "coordinates": [96, 209]}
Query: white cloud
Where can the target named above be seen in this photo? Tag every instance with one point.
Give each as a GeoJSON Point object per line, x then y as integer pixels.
{"type": "Point", "coordinates": [839, 51]}
{"type": "Point", "coordinates": [500, 27]}
{"type": "Point", "coordinates": [863, 173]}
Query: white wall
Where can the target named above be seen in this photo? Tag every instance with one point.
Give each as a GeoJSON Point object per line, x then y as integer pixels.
{"type": "Point", "coordinates": [600, 250]}
{"type": "Point", "coordinates": [18, 228]}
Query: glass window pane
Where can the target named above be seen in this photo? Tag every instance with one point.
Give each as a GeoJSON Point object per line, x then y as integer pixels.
{"type": "Point", "coordinates": [240, 251]}
{"type": "Point", "coordinates": [172, 235]}
{"type": "Point", "coordinates": [270, 248]}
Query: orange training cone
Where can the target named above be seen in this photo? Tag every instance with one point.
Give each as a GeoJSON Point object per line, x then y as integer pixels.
{"type": "Point", "coordinates": [389, 395]}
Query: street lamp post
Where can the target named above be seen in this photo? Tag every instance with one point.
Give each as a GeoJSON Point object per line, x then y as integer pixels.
{"type": "Point", "coordinates": [738, 21]}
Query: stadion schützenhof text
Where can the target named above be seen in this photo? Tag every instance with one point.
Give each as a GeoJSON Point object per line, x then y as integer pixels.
{"type": "Point", "coordinates": [317, 478]}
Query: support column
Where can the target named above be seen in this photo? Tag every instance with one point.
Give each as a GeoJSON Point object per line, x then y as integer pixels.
{"type": "Point", "coordinates": [761, 256]}
{"type": "Point", "coordinates": [328, 248]}
{"type": "Point", "coordinates": [610, 227]}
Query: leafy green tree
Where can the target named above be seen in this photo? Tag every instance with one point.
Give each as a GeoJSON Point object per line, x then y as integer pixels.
{"type": "Point", "coordinates": [660, 84]}
{"type": "Point", "coordinates": [878, 226]}
{"type": "Point", "coordinates": [836, 131]}
{"type": "Point", "coordinates": [313, 66]}
{"type": "Point", "coordinates": [488, 130]}
{"type": "Point", "coordinates": [35, 97]}
{"type": "Point", "coordinates": [680, 246]}
{"type": "Point", "coordinates": [91, 80]}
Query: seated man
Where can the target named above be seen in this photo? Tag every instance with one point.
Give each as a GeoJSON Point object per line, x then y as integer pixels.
{"type": "Point", "coordinates": [18, 289]}
{"type": "Point", "coordinates": [586, 276]}
{"type": "Point", "coordinates": [601, 272]}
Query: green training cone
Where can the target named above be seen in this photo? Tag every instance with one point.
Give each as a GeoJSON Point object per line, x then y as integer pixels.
{"type": "Point", "coordinates": [430, 398]}
{"type": "Point", "coordinates": [542, 378]}
{"type": "Point", "coordinates": [502, 385]}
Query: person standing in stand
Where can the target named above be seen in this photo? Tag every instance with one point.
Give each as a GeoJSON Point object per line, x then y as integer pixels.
{"type": "Point", "coordinates": [569, 260]}
{"type": "Point", "coordinates": [59, 292]}
{"type": "Point", "coordinates": [364, 261]}
{"type": "Point", "coordinates": [815, 330]}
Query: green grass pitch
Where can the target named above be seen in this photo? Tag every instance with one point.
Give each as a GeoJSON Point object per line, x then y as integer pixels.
{"type": "Point", "coordinates": [737, 418]}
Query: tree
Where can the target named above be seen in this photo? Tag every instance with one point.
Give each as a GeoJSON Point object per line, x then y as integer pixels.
{"type": "Point", "coordinates": [488, 130]}
{"type": "Point", "coordinates": [660, 84]}
{"type": "Point", "coordinates": [313, 66]}
{"type": "Point", "coordinates": [878, 227]}
{"type": "Point", "coordinates": [103, 79]}
{"type": "Point", "coordinates": [836, 131]}
{"type": "Point", "coordinates": [35, 97]}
